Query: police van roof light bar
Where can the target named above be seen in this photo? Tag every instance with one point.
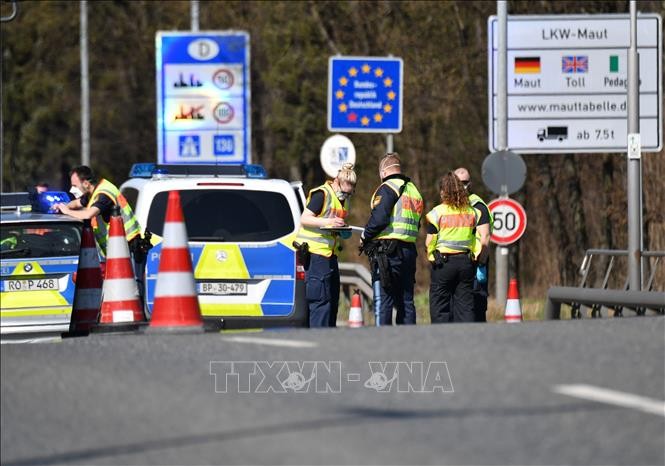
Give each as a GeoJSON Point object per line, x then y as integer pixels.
{"type": "Point", "coordinates": [147, 170]}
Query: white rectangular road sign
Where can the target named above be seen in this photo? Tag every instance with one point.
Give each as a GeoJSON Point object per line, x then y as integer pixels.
{"type": "Point", "coordinates": [567, 83]}
{"type": "Point", "coordinates": [203, 97]}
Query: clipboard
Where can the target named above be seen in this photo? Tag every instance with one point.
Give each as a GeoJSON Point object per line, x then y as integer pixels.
{"type": "Point", "coordinates": [336, 229]}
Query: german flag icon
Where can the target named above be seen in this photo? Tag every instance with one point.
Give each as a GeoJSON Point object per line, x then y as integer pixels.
{"type": "Point", "coordinates": [527, 65]}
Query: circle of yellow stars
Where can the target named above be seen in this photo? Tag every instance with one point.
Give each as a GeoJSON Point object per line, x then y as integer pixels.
{"type": "Point", "coordinates": [340, 93]}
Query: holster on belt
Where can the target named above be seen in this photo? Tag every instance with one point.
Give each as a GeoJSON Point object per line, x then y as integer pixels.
{"type": "Point", "coordinates": [377, 252]}
{"type": "Point", "coordinates": [439, 259]}
{"type": "Point", "coordinates": [302, 249]}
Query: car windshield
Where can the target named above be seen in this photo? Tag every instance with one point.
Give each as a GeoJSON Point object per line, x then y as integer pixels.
{"type": "Point", "coordinates": [219, 215]}
{"type": "Point", "coordinates": [34, 240]}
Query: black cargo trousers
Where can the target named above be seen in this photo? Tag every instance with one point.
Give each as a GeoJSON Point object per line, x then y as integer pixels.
{"type": "Point", "coordinates": [452, 279]}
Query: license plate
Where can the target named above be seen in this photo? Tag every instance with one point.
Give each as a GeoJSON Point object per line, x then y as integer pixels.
{"type": "Point", "coordinates": [31, 285]}
{"type": "Point", "coordinates": [223, 288]}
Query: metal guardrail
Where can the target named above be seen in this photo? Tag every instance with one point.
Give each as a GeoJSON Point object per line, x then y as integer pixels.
{"type": "Point", "coordinates": [596, 298]}
{"type": "Point", "coordinates": [358, 276]}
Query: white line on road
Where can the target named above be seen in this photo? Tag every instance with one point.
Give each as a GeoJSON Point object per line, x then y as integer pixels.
{"type": "Point", "coordinates": [274, 342]}
{"type": "Point", "coordinates": [613, 397]}
{"type": "Point", "coordinates": [16, 341]}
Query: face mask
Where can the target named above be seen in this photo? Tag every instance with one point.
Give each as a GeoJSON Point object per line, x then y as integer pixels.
{"type": "Point", "coordinates": [342, 196]}
{"type": "Point", "coordinates": [76, 192]}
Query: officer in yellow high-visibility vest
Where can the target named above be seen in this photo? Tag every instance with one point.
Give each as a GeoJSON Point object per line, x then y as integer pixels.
{"type": "Point", "coordinates": [397, 207]}
{"type": "Point", "coordinates": [451, 250]}
{"type": "Point", "coordinates": [481, 280]}
{"type": "Point", "coordinates": [97, 197]}
{"type": "Point", "coordinates": [327, 207]}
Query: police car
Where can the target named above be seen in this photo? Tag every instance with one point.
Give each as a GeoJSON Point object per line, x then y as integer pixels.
{"type": "Point", "coordinates": [39, 253]}
{"type": "Point", "coordinates": [241, 226]}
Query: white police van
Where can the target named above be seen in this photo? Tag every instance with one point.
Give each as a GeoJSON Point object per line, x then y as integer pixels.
{"type": "Point", "coordinates": [241, 227]}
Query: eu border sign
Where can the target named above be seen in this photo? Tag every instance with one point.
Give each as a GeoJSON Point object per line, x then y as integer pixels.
{"type": "Point", "coordinates": [365, 94]}
{"type": "Point", "coordinates": [203, 97]}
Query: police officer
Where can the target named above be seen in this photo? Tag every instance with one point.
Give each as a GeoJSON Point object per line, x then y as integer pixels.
{"type": "Point", "coordinates": [95, 203]}
{"type": "Point", "coordinates": [98, 198]}
{"type": "Point", "coordinates": [451, 246]}
{"type": "Point", "coordinates": [480, 281]}
{"type": "Point", "coordinates": [327, 208]}
{"type": "Point", "coordinates": [396, 208]}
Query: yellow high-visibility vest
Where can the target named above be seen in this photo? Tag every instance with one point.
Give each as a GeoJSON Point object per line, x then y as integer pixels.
{"type": "Point", "coordinates": [455, 229]}
{"type": "Point", "coordinates": [324, 243]}
{"type": "Point", "coordinates": [100, 228]}
{"type": "Point", "coordinates": [406, 213]}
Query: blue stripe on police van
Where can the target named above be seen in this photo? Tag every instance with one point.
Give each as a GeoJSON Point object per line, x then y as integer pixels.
{"type": "Point", "coordinates": [271, 260]}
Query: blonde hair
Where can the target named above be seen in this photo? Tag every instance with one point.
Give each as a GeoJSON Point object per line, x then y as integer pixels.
{"type": "Point", "coordinates": [347, 174]}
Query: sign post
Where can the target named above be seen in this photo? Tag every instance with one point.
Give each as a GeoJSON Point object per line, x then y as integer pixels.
{"type": "Point", "coordinates": [203, 97]}
{"type": "Point", "coordinates": [567, 83]}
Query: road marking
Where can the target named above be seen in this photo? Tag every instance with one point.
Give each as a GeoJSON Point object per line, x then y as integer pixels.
{"type": "Point", "coordinates": [273, 342]}
{"type": "Point", "coordinates": [22, 341]}
{"type": "Point", "coordinates": [612, 397]}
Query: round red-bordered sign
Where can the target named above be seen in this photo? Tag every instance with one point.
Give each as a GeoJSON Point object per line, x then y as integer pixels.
{"type": "Point", "coordinates": [509, 221]}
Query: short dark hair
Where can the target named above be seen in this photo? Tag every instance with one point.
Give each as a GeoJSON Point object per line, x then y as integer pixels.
{"type": "Point", "coordinates": [85, 173]}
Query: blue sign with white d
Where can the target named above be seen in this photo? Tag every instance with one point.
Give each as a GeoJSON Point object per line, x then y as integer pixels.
{"type": "Point", "coordinates": [203, 97]}
{"type": "Point", "coordinates": [365, 94]}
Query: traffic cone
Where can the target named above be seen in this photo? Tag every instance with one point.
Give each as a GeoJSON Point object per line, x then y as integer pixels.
{"type": "Point", "coordinates": [88, 294]}
{"type": "Point", "coordinates": [513, 308]}
{"type": "Point", "coordinates": [121, 307]}
{"type": "Point", "coordinates": [356, 311]}
{"type": "Point", "coordinates": [176, 306]}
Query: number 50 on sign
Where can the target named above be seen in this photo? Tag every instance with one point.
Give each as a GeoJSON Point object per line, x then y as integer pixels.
{"type": "Point", "coordinates": [509, 221]}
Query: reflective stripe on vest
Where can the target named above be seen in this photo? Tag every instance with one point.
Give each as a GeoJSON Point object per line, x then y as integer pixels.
{"type": "Point", "coordinates": [100, 228]}
{"type": "Point", "coordinates": [455, 229]}
{"type": "Point", "coordinates": [320, 242]}
{"type": "Point", "coordinates": [406, 213]}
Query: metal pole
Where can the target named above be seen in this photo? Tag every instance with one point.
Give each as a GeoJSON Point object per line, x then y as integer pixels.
{"type": "Point", "coordinates": [634, 159]}
{"type": "Point", "coordinates": [85, 87]}
{"type": "Point", "coordinates": [501, 259]}
{"type": "Point", "coordinates": [194, 4]}
{"type": "Point", "coordinates": [389, 143]}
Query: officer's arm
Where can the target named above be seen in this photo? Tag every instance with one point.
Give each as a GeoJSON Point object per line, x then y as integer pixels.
{"type": "Point", "coordinates": [310, 219]}
{"type": "Point", "coordinates": [483, 227]}
{"type": "Point", "coordinates": [380, 216]}
{"type": "Point", "coordinates": [75, 204]}
{"type": "Point", "coordinates": [82, 214]}
{"type": "Point", "coordinates": [428, 239]}
{"type": "Point", "coordinates": [484, 232]}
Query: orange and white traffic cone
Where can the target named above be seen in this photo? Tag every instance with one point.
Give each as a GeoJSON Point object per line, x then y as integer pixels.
{"type": "Point", "coordinates": [356, 311]}
{"type": "Point", "coordinates": [513, 308]}
{"type": "Point", "coordinates": [88, 294]}
{"type": "Point", "coordinates": [176, 306]}
{"type": "Point", "coordinates": [121, 307]}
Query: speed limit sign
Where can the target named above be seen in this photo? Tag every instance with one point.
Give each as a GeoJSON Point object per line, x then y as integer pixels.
{"type": "Point", "coordinates": [509, 221]}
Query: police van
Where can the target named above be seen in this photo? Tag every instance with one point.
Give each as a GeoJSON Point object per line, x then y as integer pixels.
{"type": "Point", "coordinates": [241, 226]}
{"type": "Point", "coordinates": [39, 254]}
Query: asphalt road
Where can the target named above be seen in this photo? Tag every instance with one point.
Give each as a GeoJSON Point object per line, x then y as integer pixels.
{"type": "Point", "coordinates": [476, 394]}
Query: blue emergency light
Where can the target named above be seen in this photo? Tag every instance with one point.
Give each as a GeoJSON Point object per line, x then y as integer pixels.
{"type": "Point", "coordinates": [45, 202]}
{"type": "Point", "coordinates": [142, 170]}
{"type": "Point", "coordinates": [255, 171]}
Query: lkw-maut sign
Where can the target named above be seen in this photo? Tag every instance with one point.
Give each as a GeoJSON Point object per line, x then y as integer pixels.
{"type": "Point", "coordinates": [203, 97]}
{"type": "Point", "coordinates": [567, 83]}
